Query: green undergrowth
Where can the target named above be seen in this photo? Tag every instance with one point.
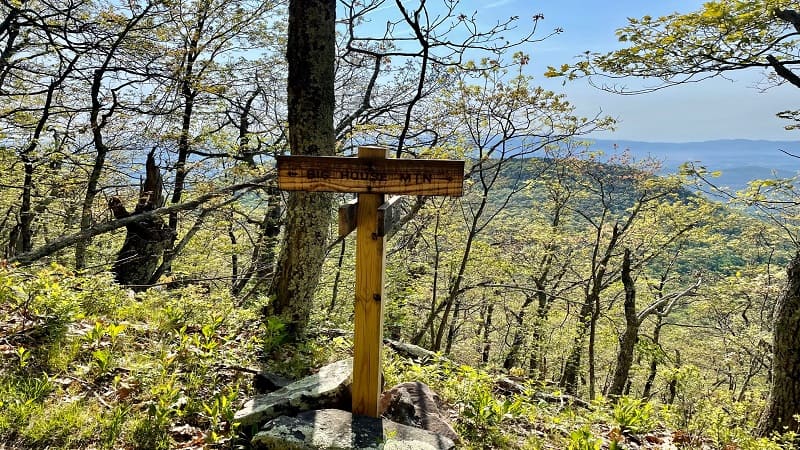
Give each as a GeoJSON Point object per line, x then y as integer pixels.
{"type": "Point", "coordinates": [488, 419]}
{"type": "Point", "coordinates": [86, 364]}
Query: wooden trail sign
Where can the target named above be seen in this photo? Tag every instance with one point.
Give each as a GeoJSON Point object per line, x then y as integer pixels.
{"type": "Point", "coordinates": [371, 176]}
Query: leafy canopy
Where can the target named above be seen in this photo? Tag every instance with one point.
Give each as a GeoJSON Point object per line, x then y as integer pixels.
{"type": "Point", "coordinates": [677, 48]}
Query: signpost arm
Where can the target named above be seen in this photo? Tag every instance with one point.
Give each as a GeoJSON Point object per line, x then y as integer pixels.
{"type": "Point", "coordinates": [370, 258]}
{"type": "Point", "coordinates": [347, 218]}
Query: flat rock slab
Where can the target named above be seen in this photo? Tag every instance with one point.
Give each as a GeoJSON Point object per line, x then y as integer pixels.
{"type": "Point", "coordinates": [415, 404]}
{"type": "Point", "coordinates": [328, 388]}
{"type": "Point", "coordinates": [333, 429]}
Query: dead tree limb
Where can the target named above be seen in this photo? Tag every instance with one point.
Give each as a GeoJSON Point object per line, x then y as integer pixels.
{"type": "Point", "coordinates": [28, 258]}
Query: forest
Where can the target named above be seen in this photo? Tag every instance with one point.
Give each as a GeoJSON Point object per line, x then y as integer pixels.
{"type": "Point", "coordinates": [154, 275]}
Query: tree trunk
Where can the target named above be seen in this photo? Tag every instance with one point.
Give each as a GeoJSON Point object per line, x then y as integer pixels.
{"type": "Point", "coordinates": [487, 328]}
{"type": "Point", "coordinates": [672, 386]}
{"type": "Point", "coordinates": [455, 285]}
{"type": "Point", "coordinates": [631, 334]}
{"type": "Point", "coordinates": [428, 326]}
{"type": "Point", "coordinates": [337, 278]}
{"type": "Point", "coordinates": [188, 92]}
{"type": "Point", "coordinates": [310, 52]}
{"type": "Point", "coordinates": [98, 122]}
{"type": "Point", "coordinates": [448, 306]}
{"type": "Point", "coordinates": [263, 255]}
{"type": "Point", "coordinates": [783, 403]}
{"type": "Point", "coordinates": [234, 255]}
{"type": "Point", "coordinates": [25, 236]}
{"type": "Point", "coordinates": [145, 240]}
{"type": "Point", "coordinates": [651, 377]}
{"type": "Point", "coordinates": [591, 354]}
{"type": "Point", "coordinates": [97, 168]}
{"type": "Point", "coordinates": [454, 326]}
{"type": "Point", "coordinates": [569, 379]}
{"type": "Point", "coordinates": [21, 238]}
{"type": "Point", "coordinates": [590, 311]}
{"type": "Point", "coordinates": [512, 356]}
{"type": "Point", "coordinates": [536, 364]}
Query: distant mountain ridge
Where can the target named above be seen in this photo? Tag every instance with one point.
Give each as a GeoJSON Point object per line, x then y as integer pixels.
{"type": "Point", "coordinates": [739, 160]}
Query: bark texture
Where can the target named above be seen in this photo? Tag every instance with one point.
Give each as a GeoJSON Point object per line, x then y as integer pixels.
{"type": "Point", "coordinates": [783, 403]}
{"type": "Point", "coordinates": [512, 356]}
{"type": "Point", "coordinates": [590, 309]}
{"type": "Point", "coordinates": [310, 53]}
{"type": "Point", "coordinates": [651, 376]}
{"type": "Point", "coordinates": [145, 240]}
{"type": "Point", "coordinates": [631, 334]}
{"type": "Point", "coordinates": [570, 377]}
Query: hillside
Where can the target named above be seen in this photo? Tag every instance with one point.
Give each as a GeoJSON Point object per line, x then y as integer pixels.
{"type": "Point", "coordinates": [624, 185]}
{"type": "Point", "coordinates": [166, 283]}
{"type": "Point", "coordinates": [739, 160]}
{"type": "Point", "coordinates": [90, 364]}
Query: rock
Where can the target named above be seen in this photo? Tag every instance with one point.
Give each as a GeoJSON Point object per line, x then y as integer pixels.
{"type": "Point", "coordinates": [328, 388]}
{"type": "Point", "coordinates": [265, 382]}
{"type": "Point", "coordinates": [399, 407]}
{"type": "Point", "coordinates": [415, 404]}
{"type": "Point", "coordinates": [340, 430]}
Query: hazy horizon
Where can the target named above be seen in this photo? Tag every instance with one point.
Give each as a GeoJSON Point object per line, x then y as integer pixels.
{"type": "Point", "coordinates": [734, 107]}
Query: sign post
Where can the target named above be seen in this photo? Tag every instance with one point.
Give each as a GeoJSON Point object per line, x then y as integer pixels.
{"type": "Point", "coordinates": [371, 176]}
{"type": "Point", "coordinates": [368, 326]}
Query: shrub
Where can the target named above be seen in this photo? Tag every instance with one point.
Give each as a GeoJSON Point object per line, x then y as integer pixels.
{"type": "Point", "coordinates": [634, 415]}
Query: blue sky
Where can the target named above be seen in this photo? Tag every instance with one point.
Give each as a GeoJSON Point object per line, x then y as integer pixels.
{"type": "Point", "coordinates": [715, 109]}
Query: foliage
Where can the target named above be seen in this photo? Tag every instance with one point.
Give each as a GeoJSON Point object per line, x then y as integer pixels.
{"type": "Point", "coordinates": [482, 413]}
{"type": "Point", "coordinates": [521, 276]}
{"type": "Point", "coordinates": [583, 439]}
{"type": "Point", "coordinates": [634, 415]}
{"type": "Point", "coordinates": [721, 36]}
{"type": "Point", "coordinates": [273, 334]}
{"type": "Point", "coordinates": [170, 376]}
{"type": "Point", "coordinates": [113, 376]}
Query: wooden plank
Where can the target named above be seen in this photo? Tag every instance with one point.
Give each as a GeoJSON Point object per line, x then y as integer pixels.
{"type": "Point", "coordinates": [368, 326]}
{"type": "Point", "coordinates": [347, 217]}
{"type": "Point", "coordinates": [389, 214]}
{"type": "Point", "coordinates": [369, 175]}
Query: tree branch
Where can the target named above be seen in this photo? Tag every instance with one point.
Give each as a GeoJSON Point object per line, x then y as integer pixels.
{"type": "Point", "coordinates": [669, 301]}
{"type": "Point", "coordinates": [59, 244]}
{"type": "Point", "coordinates": [789, 15]}
{"type": "Point", "coordinates": [783, 72]}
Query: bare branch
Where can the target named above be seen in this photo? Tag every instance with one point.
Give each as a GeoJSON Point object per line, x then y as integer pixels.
{"type": "Point", "coordinates": [59, 244]}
